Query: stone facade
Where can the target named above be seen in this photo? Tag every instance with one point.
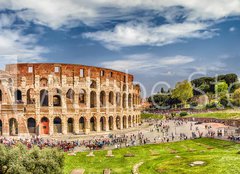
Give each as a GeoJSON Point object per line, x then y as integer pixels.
{"type": "Point", "coordinates": [52, 98]}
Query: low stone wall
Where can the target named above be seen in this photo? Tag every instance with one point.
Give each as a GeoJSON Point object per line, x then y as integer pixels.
{"type": "Point", "coordinates": [228, 122]}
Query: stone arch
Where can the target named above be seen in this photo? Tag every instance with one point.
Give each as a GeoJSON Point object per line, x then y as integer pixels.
{"type": "Point", "coordinates": [103, 124]}
{"type": "Point", "coordinates": [93, 84]}
{"type": "Point", "coordinates": [129, 100]}
{"type": "Point", "coordinates": [124, 100]}
{"type": "Point", "coordinates": [93, 99]}
{"type": "Point", "coordinates": [124, 120]}
{"type": "Point", "coordinates": [118, 99]}
{"type": "Point", "coordinates": [82, 97]}
{"type": "Point", "coordinates": [102, 99]}
{"type": "Point", "coordinates": [1, 124]}
{"type": "Point", "coordinates": [70, 96]}
{"type": "Point", "coordinates": [111, 98]}
{"type": "Point", "coordinates": [18, 96]}
{"type": "Point", "coordinates": [124, 87]}
{"type": "Point", "coordinates": [93, 124]}
{"type": "Point", "coordinates": [133, 120]}
{"type": "Point", "coordinates": [57, 101]}
{"type": "Point", "coordinates": [82, 123]}
{"type": "Point", "coordinates": [43, 82]}
{"type": "Point", "coordinates": [45, 125]}
{"type": "Point", "coordinates": [30, 96]}
{"type": "Point", "coordinates": [118, 122]}
{"type": "Point", "coordinates": [110, 123]}
{"type": "Point", "coordinates": [31, 124]}
{"type": "Point", "coordinates": [70, 122]}
{"type": "Point", "coordinates": [129, 121]}
{"type": "Point", "coordinates": [44, 97]}
{"type": "Point", "coordinates": [13, 127]}
{"type": "Point", "coordinates": [57, 125]}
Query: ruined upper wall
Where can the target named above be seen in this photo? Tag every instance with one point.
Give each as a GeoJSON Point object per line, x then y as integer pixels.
{"type": "Point", "coordinates": [68, 70]}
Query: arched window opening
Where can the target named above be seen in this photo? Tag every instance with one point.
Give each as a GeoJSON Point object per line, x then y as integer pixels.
{"type": "Point", "coordinates": [93, 99]}
{"type": "Point", "coordinates": [102, 99]}
{"type": "Point", "coordinates": [93, 126]}
{"type": "Point", "coordinates": [31, 124]}
{"type": "Point", "coordinates": [110, 98]}
{"type": "Point", "coordinates": [129, 100]}
{"type": "Point", "coordinates": [30, 96]}
{"type": "Point", "coordinates": [70, 125]}
{"type": "Point", "coordinates": [118, 99]}
{"type": "Point", "coordinates": [1, 96]}
{"type": "Point", "coordinates": [70, 96]}
{"type": "Point", "coordinates": [43, 97]}
{"type": "Point", "coordinates": [18, 97]}
{"type": "Point", "coordinates": [124, 101]}
{"type": "Point", "coordinates": [43, 82]}
{"type": "Point", "coordinates": [82, 96]}
{"type": "Point", "coordinates": [81, 124]}
{"type": "Point", "coordinates": [93, 84]}
{"type": "Point", "coordinates": [57, 125]}
{"type": "Point", "coordinates": [13, 127]}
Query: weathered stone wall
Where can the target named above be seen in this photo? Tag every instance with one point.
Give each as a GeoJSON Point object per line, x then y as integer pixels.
{"type": "Point", "coordinates": [74, 103]}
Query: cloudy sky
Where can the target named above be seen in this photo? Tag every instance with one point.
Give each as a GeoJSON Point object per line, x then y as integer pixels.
{"type": "Point", "coordinates": [156, 40]}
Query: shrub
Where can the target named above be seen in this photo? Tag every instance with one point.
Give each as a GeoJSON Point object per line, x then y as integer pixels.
{"type": "Point", "coordinates": [182, 114]}
{"type": "Point", "coordinates": [30, 161]}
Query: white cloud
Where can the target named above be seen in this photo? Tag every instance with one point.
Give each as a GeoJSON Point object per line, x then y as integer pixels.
{"type": "Point", "coordinates": [56, 14]}
{"type": "Point", "coordinates": [134, 34]}
{"type": "Point", "coordinates": [232, 29]}
{"type": "Point", "coordinates": [142, 63]}
{"type": "Point", "coordinates": [16, 46]}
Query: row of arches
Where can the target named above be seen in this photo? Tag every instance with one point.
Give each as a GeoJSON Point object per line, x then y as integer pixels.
{"type": "Point", "coordinates": [104, 123]}
{"type": "Point", "coordinates": [111, 98]}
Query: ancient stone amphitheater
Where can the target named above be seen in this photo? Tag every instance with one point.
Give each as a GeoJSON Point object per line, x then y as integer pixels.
{"type": "Point", "coordinates": [52, 98]}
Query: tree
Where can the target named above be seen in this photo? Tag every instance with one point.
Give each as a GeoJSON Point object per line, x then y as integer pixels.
{"type": "Point", "coordinates": [221, 88]}
{"type": "Point", "coordinates": [236, 97]}
{"type": "Point", "coordinates": [19, 160]}
{"type": "Point", "coordinates": [183, 91]}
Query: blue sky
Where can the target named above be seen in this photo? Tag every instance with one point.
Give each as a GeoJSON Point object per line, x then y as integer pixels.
{"type": "Point", "coordinates": [156, 41]}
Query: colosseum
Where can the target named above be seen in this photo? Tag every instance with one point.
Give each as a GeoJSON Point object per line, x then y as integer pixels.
{"type": "Point", "coordinates": [52, 98]}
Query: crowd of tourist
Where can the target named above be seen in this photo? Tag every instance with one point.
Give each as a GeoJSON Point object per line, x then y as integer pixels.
{"type": "Point", "coordinates": [159, 132]}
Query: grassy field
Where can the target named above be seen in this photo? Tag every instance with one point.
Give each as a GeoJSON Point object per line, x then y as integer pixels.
{"type": "Point", "coordinates": [219, 157]}
{"type": "Point", "coordinates": [150, 115]}
{"type": "Point", "coordinates": [219, 115]}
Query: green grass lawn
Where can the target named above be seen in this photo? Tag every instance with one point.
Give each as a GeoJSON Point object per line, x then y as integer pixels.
{"type": "Point", "coordinates": [219, 157]}
{"type": "Point", "coordinates": [150, 115]}
{"type": "Point", "coordinates": [219, 115]}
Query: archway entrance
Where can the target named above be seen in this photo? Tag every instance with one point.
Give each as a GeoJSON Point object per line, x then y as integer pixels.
{"type": "Point", "coordinates": [70, 125]}
{"type": "Point", "coordinates": [103, 123]}
{"type": "Point", "coordinates": [31, 124]}
{"type": "Point", "coordinates": [13, 127]}
{"type": "Point", "coordinates": [0, 127]}
{"type": "Point", "coordinates": [110, 123]}
{"type": "Point", "coordinates": [81, 124]}
{"type": "Point", "coordinates": [57, 125]}
{"type": "Point", "coordinates": [124, 122]}
{"type": "Point", "coordinates": [44, 125]}
{"type": "Point", "coordinates": [118, 122]}
{"type": "Point", "coordinates": [129, 121]}
{"type": "Point", "coordinates": [93, 126]}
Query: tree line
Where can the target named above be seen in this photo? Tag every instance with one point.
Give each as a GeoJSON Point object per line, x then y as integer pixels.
{"type": "Point", "coordinates": [221, 91]}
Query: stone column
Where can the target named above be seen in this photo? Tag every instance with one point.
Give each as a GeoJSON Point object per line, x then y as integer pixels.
{"type": "Point", "coordinates": [107, 124]}
{"type": "Point", "coordinates": [5, 125]}
{"type": "Point", "coordinates": [76, 125]}
{"type": "Point", "coordinates": [64, 125]}
{"type": "Point", "coordinates": [98, 124]}
{"type": "Point", "coordinates": [87, 126]}
{"type": "Point", "coordinates": [51, 126]}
